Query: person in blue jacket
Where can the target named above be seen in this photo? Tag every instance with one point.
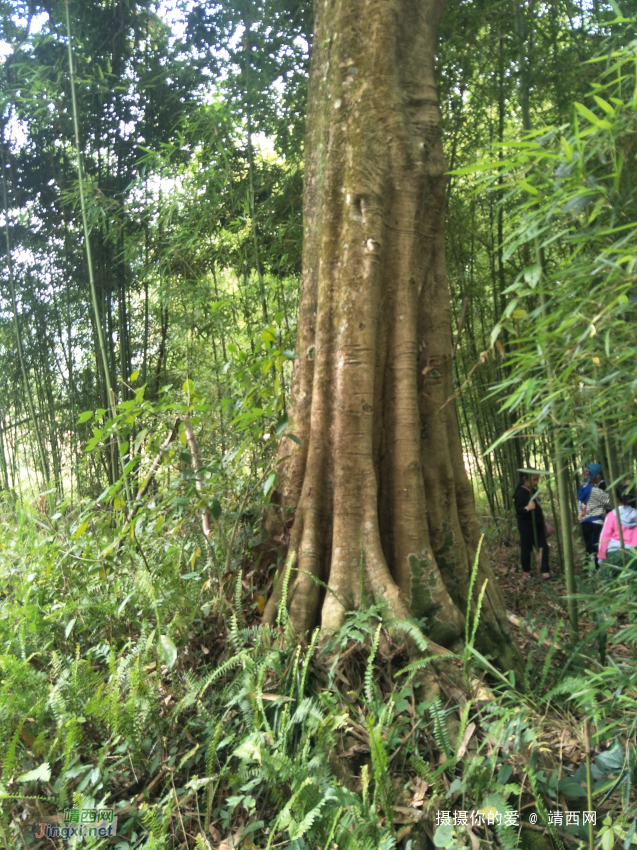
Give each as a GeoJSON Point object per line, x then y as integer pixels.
{"type": "Point", "coordinates": [595, 504]}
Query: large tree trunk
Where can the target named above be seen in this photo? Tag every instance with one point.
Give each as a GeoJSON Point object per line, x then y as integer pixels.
{"type": "Point", "coordinates": [379, 476]}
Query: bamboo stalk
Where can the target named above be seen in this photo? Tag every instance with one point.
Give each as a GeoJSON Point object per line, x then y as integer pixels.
{"type": "Point", "coordinates": [567, 538]}
{"type": "Point", "coordinates": [253, 220]}
{"type": "Point", "coordinates": [3, 457]}
{"type": "Point", "coordinates": [614, 497]}
{"type": "Point", "coordinates": [465, 304]}
{"type": "Point", "coordinates": [562, 491]}
{"type": "Point", "coordinates": [589, 784]}
{"type": "Point", "coordinates": [27, 386]}
{"type": "Point", "coordinates": [556, 515]}
{"type": "Point", "coordinates": [111, 398]}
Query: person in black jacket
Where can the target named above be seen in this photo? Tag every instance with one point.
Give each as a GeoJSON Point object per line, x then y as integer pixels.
{"type": "Point", "coordinates": [530, 519]}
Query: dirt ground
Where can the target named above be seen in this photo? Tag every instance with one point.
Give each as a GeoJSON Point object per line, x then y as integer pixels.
{"type": "Point", "coordinates": [539, 603]}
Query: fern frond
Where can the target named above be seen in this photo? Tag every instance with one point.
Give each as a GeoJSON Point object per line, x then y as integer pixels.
{"type": "Point", "coordinates": [9, 759]}
{"type": "Point", "coordinates": [383, 787]}
{"type": "Point", "coordinates": [422, 767]}
{"type": "Point", "coordinates": [306, 662]}
{"type": "Point", "coordinates": [234, 638]}
{"type": "Point", "coordinates": [308, 821]}
{"type": "Point", "coordinates": [411, 628]}
{"type": "Point", "coordinates": [476, 620]}
{"type": "Point", "coordinates": [549, 657]}
{"type": "Point", "coordinates": [369, 671]}
{"type": "Point", "coordinates": [307, 708]}
{"type": "Point", "coordinates": [330, 834]}
{"type": "Point", "coordinates": [573, 686]}
{"type": "Point", "coordinates": [237, 597]}
{"type": "Point", "coordinates": [419, 663]}
{"type": "Point", "coordinates": [539, 803]}
{"type": "Point", "coordinates": [506, 834]}
{"type": "Point", "coordinates": [440, 731]}
{"type": "Point", "coordinates": [241, 658]}
{"type": "Point", "coordinates": [472, 580]}
{"type": "Point", "coordinates": [282, 614]}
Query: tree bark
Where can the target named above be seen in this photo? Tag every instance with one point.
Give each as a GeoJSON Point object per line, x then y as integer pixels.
{"type": "Point", "coordinates": [379, 476]}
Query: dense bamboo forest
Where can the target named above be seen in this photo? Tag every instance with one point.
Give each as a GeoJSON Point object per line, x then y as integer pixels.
{"type": "Point", "coordinates": [318, 439]}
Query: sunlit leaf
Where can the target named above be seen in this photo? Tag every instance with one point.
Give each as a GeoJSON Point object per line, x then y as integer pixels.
{"type": "Point", "coordinates": [590, 116]}
{"type": "Point", "coordinates": [41, 774]}
{"type": "Point", "coordinates": [269, 483]}
{"type": "Point", "coordinates": [605, 105]}
{"type": "Point", "coordinates": [79, 531]}
{"type": "Point", "coordinates": [524, 184]}
{"type": "Point", "coordinates": [168, 651]}
{"type": "Point", "coordinates": [533, 274]}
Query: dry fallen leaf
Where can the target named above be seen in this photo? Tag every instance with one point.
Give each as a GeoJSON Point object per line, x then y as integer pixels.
{"type": "Point", "coordinates": [272, 697]}
{"type": "Point", "coordinates": [353, 751]}
{"type": "Point", "coordinates": [420, 789]}
{"type": "Point", "coordinates": [405, 814]}
{"type": "Point", "coordinates": [462, 749]}
{"type": "Point", "coordinates": [475, 841]}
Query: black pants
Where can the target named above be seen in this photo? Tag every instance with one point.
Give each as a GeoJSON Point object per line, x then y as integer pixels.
{"type": "Point", "coordinates": [591, 532]}
{"type": "Point", "coordinates": [527, 544]}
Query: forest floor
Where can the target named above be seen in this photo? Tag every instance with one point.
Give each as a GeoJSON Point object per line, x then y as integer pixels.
{"type": "Point", "coordinates": [540, 606]}
{"type": "Point", "coordinates": [211, 741]}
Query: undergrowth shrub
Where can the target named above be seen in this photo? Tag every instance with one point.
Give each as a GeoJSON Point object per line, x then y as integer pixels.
{"type": "Point", "coordinates": [134, 674]}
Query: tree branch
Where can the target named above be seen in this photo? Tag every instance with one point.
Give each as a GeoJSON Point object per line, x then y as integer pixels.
{"type": "Point", "coordinates": [154, 467]}
{"type": "Point", "coordinates": [206, 523]}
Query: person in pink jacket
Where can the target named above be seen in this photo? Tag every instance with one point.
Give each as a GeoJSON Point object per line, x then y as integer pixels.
{"type": "Point", "coordinates": [610, 542]}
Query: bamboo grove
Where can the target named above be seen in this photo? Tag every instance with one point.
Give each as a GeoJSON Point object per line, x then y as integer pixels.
{"type": "Point", "coordinates": [190, 144]}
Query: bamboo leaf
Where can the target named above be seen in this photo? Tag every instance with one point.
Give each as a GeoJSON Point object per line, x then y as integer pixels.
{"type": "Point", "coordinates": [591, 117]}
{"type": "Point", "coordinates": [524, 184]}
{"type": "Point", "coordinates": [80, 530]}
{"type": "Point", "coordinates": [605, 105]}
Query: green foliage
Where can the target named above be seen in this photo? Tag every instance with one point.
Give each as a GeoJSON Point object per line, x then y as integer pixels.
{"type": "Point", "coordinates": [570, 190]}
{"type": "Point", "coordinates": [133, 668]}
{"type": "Point", "coordinates": [299, 745]}
{"type": "Point", "coordinates": [194, 219]}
